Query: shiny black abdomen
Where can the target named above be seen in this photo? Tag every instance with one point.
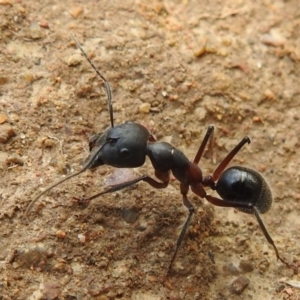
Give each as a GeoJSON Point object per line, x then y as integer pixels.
{"type": "Point", "coordinates": [245, 185]}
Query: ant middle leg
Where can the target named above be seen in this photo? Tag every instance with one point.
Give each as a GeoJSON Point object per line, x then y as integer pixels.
{"type": "Point", "coordinates": [184, 188]}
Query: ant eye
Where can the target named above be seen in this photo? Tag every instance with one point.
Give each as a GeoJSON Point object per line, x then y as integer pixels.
{"type": "Point", "coordinates": [124, 151]}
{"type": "Point", "coordinates": [111, 140]}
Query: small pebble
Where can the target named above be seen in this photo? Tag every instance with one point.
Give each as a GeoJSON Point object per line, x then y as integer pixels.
{"type": "Point", "coordinates": [271, 40]}
{"type": "Point", "coordinates": [44, 24]}
{"type": "Point", "coordinates": [161, 254]}
{"type": "Point", "coordinates": [74, 60]}
{"type": "Point", "coordinates": [75, 12]}
{"type": "Point", "coordinates": [230, 268]}
{"type": "Point", "coordinates": [6, 132]}
{"type": "Point", "coordinates": [51, 291]}
{"type": "Point", "coordinates": [145, 107]}
{"type": "Point", "coordinates": [14, 117]}
{"type": "Point", "coordinates": [3, 158]}
{"type": "Point", "coordinates": [35, 31]}
{"type": "Point", "coordinates": [3, 80]}
{"type": "Point", "coordinates": [256, 119]}
{"type": "Point", "coordinates": [61, 234]}
{"type": "Point", "coordinates": [200, 112]}
{"type": "Point", "coordinates": [246, 265]}
{"type": "Point", "coordinates": [5, 2]}
{"type": "Point", "coordinates": [3, 118]}
{"type": "Point", "coordinates": [119, 270]}
{"type": "Point", "coordinates": [129, 215]}
{"type": "Point", "coordinates": [81, 237]}
{"type": "Point", "coordinates": [263, 266]}
{"type": "Point", "coordinates": [28, 77]}
{"type": "Point", "coordinates": [239, 285]}
{"type": "Point", "coordinates": [269, 94]}
{"type": "Point", "coordinates": [164, 94]}
{"type": "Point", "coordinates": [14, 159]}
{"type": "Point", "coordinates": [201, 48]}
{"type": "Point", "coordinates": [152, 278]}
{"type": "Point", "coordinates": [49, 143]}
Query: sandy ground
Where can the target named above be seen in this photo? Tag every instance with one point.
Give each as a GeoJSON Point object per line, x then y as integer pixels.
{"type": "Point", "coordinates": [175, 67]}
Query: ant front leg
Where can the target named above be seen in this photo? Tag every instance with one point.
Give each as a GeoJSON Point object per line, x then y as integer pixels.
{"type": "Point", "coordinates": [163, 176]}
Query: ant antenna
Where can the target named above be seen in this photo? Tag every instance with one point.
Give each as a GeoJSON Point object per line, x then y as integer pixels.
{"type": "Point", "coordinates": [89, 161]}
{"type": "Point", "coordinates": [86, 166]}
{"type": "Point", "coordinates": [48, 189]}
{"type": "Point", "coordinates": [106, 84]}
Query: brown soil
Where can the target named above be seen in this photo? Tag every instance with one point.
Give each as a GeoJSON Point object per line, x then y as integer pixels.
{"type": "Point", "coordinates": [234, 64]}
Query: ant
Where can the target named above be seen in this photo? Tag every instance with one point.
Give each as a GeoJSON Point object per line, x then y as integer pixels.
{"type": "Point", "coordinates": [127, 145]}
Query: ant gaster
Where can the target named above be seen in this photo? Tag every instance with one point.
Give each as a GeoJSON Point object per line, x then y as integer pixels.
{"type": "Point", "coordinates": [127, 145]}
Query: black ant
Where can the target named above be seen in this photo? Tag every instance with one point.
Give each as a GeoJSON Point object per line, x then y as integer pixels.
{"type": "Point", "coordinates": [127, 145]}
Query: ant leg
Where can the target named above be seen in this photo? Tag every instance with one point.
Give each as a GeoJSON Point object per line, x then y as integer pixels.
{"type": "Point", "coordinates": [208, 136]}
{"type": "Point", "coordinates": [269, 239]}
{"type": "Point", "coordinates": [163, 176]}
{"type": "Point", "coordinates": [219, 170]}
{"type": "Point", "coordinates": [233, 204]}
{"type": "Point", "coordinates": [184, 190]}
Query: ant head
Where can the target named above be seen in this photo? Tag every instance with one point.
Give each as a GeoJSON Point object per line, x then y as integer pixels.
{"type": "Point", "coordinates": [122, 146]}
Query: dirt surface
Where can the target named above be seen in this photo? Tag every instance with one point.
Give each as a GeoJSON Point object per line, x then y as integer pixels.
{"type": "Point", "coordinates": [175, 67]}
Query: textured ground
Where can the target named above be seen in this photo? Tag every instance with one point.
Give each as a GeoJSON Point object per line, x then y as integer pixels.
{"type": "Point", "coordinates": [234, 64]}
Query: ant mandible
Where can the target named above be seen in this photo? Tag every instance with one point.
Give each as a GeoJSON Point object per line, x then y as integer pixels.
{"type": "Point", "coordinates": [127, 145]}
